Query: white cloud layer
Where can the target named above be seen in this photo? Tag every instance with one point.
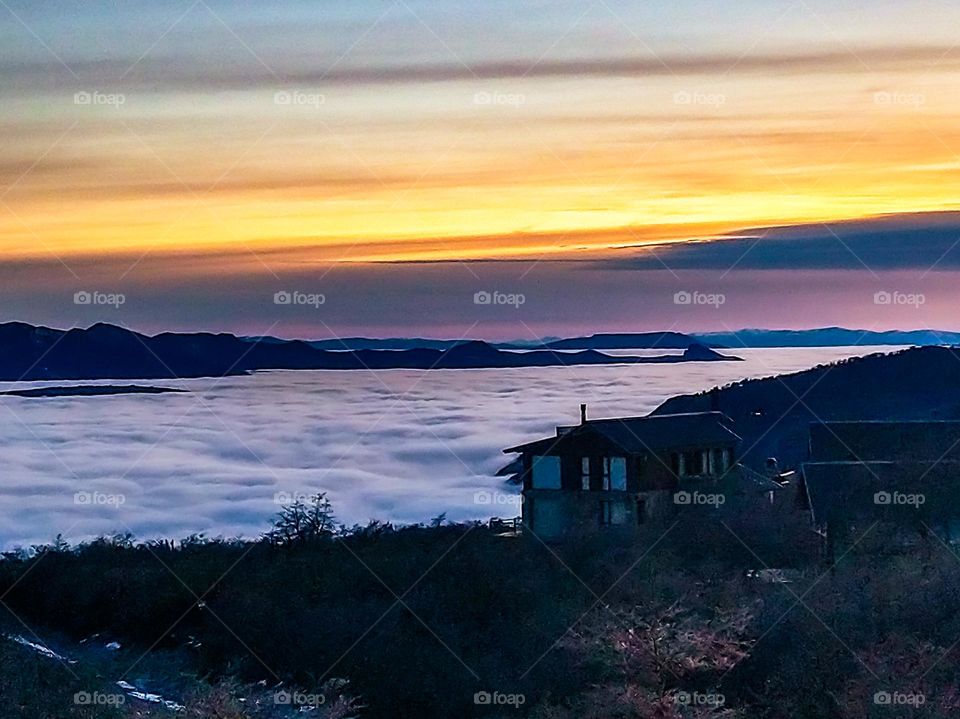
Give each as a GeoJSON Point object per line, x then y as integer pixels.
{"type": "Point", "coordinates": [396, 445]}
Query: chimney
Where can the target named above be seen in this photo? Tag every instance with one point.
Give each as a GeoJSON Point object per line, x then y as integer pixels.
{"type": "Point", "coordinates": [583, 414]}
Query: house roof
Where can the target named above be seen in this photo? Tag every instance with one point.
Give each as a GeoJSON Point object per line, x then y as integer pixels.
{"type": "Point", "coordinates": [762, 481]}
{"type": "Point", "coordinates": [870, 441]}
{"type": "Point", "coordinates": [882, 490]}
{"type": "Point", "coordinates": [514, 466]}
{"type": "Point", "coordinates": [737, 480]}
{"type": "Point", "coordinates": [634, 435]}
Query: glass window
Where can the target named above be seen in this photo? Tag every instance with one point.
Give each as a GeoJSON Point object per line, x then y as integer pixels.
{"type": "Point", "coordinates": [692, 464]}
{"type": "Point", "coordinates": [618, 473]}
{"type": "Point", "coordinates": [605, 513]}
{"type": "Point", "coordinates": [719, 461]}
{"type": "Point", "coordinates": [606, 474]}
{"type": "Point", "coordinates": [545, 472]}
{"type": "Point", "coordinates": [585, 474]}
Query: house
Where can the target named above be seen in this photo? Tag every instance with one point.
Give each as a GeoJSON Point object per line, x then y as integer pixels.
{"type": "Point", "coordinates": [903, 476]}
{"type": "Point", "coordinates": [619, 474]}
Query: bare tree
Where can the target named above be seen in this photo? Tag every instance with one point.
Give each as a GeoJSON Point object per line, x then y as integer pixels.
{"type": "Point", "coordinates": [303, 521]}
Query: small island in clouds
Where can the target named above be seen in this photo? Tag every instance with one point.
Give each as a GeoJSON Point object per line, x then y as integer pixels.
{"type": "Point", "coordinates": [87, 391]}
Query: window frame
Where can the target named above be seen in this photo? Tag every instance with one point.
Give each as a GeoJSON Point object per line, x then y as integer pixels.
{"type": "Point", "coordinates": [585, 474]}
{"type": "Point", "coordinates": [606, 513]}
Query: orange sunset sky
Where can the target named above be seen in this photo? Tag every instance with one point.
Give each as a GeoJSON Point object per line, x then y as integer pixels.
{"type": "Point", "coordinates": [245, 142]}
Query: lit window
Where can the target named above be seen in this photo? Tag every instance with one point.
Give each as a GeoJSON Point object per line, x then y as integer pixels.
{"type": "Point", "coordinates": [606, 474]}
{"type": "Point", "coordinates": [618, 474]}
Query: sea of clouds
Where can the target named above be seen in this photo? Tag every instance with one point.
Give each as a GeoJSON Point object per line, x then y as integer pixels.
{"type": "Point", "coordinates": [396, 445]}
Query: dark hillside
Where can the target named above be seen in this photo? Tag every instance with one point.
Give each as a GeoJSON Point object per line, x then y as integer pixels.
{"type": "Point", "coordinates": [772, 414]}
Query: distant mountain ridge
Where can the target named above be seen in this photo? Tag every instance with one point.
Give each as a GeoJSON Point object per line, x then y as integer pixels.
{"type": "Point", "coordinates": [641, 340]}
{"type": "Point", "coordinates": [827, 337]}
{"type": "Point", "coordinates": [108, 352]}
{"type": "Point", "coordinates": [745, 338]}
{"type": "Point", "coordinates": [105, 351]}
{"type": "Point", "coordinates": [396, 343]}
{"type": "Point", "coordinates": [818, 337]}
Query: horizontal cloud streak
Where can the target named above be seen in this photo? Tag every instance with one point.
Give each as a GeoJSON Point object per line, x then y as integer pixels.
{"type": "Point", "coordinates": [186, 74]}
{"type": "Point", "coordinates": [924, 242]}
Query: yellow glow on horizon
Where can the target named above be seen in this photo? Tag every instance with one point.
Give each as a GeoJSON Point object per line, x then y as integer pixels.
{"type": "Point", "coordinates": [490, 183]}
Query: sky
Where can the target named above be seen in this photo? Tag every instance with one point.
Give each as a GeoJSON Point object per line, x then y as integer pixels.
{"type": "Point", "coordinates": [395, 159]}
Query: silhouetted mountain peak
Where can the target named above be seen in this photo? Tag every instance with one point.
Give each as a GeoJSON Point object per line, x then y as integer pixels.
{"type": "Point", "coordinates": [697, 351]}
{"type": "Point", "coordinates": [473, 348]}
{"type": "Point", "coordinates": [625, 340]}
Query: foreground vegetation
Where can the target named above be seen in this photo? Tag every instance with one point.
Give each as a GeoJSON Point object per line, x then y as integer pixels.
{"type": "Point", "coordinates": [456, 621]}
